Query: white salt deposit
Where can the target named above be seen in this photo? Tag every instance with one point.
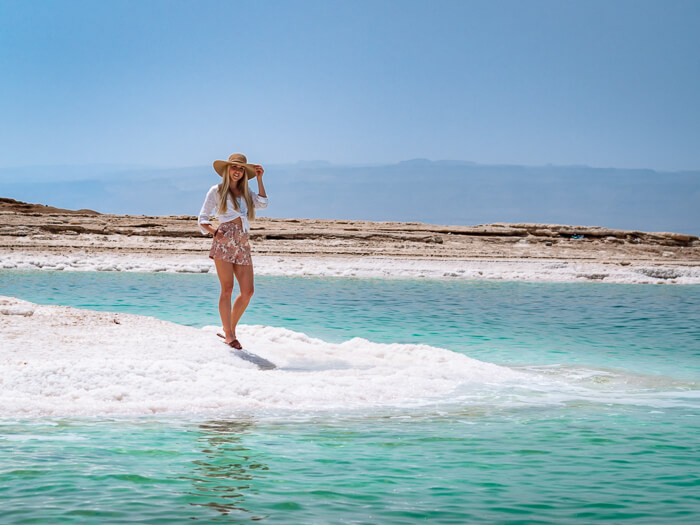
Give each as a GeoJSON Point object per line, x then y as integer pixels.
{"type": "Point", "coordinates": [12, 306]}
{"type": "Point", "coordinates": [367, 267]}
{"type": "Point", "coordinates": [63, 361]}
{"type": "Point", "coordinates": [68, 361]}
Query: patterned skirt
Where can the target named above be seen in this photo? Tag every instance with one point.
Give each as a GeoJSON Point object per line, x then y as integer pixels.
{"type": "Point", "coordinates": [231, 244]}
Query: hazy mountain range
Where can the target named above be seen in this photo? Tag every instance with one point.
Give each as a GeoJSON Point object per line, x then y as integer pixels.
{"type": "Point", "coordinates": [439, 192]}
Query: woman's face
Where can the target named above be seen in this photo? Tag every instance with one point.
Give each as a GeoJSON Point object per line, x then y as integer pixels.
{"type": "Point", "coordinates": [236, 172]}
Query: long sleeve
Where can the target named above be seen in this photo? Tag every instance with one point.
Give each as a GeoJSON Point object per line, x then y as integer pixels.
{"type": "Point", "coordinates": [207, 209]}
{"type": "Point", "coordinates": [259, 202]}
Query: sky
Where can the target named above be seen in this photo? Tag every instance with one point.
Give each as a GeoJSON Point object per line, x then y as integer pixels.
{"type": "Point", "coordinates": [180, 83]}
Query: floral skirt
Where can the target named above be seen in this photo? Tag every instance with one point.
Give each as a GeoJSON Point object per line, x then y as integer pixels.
{"type": "Point", "coordinates": [231, 244]}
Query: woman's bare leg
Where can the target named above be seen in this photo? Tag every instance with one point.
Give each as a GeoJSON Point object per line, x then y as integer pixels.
{"type": "Point", "coordinates": [225, 272]}
{"type": "Point", "coordinates": [244, 276]}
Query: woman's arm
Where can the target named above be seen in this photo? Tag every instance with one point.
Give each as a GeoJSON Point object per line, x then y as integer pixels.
{"type": "Point", "coordinates": [260, 199]}
{"type": "Point", "coordinates": [206, 211]}
{"type": "Point", "coordinates": [208, 227]}
{"type": "Point", "coordinates": [261, 187]}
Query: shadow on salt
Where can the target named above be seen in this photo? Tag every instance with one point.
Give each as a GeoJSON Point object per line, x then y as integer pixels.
{"type": "Point", "coordinates": [260, 362]}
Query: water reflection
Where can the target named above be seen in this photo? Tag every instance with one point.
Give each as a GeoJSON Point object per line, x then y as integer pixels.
{"type": "Point", "coordinates": [223, 476]}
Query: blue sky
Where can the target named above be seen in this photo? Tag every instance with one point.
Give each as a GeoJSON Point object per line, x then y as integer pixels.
{"type": "Point", "coordinates": [174, 83]}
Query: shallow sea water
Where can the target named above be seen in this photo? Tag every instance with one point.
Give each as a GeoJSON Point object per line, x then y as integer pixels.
{"type": "Point", "coordinates": [577, 461]}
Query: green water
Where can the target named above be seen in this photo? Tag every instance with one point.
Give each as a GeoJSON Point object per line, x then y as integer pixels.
{"type": "Point", "coordinates": [577, 461]}
{"type": "Point", "coordinates": [643, 328]}
{"type": "Point", "coordinates": [562, 466]}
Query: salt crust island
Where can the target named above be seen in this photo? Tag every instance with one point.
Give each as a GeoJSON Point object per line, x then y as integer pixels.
{"type": "Point", "coordinates": [34, 236]}
{"type": "Point", "coordinates": [52, 365]}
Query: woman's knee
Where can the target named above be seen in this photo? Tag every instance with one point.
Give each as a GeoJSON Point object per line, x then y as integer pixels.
{"type": "Point", "coordinates": [247, 292]}
{"type": "Point", "coordinates": [227, 289]}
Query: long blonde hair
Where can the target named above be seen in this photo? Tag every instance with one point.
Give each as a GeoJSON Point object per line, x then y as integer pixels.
{"type": "Point", "coordinates": [225, 189]}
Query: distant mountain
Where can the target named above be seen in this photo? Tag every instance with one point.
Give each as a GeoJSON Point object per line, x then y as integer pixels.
{"type": "Point", "coordinates": [437, 192]}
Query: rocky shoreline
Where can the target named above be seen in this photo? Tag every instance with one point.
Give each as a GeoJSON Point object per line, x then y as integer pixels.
{"type": "Point", "coordinates": [37, 227]}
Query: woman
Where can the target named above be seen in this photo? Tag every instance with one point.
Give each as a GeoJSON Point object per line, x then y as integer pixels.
{"type": "Point", "coordinates": [234, 204]}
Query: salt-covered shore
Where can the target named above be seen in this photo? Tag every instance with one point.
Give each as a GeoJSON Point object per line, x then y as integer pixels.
{"type": "Point", "coordinates": [365, 267]}
{"type": "Point", "coordinates": [35, 237]}
{"type": "Point", "coordinates": [60, 361]}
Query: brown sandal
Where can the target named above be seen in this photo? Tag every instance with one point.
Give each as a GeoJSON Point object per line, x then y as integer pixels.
{"type": "Point", "coordinates": [233, 344]}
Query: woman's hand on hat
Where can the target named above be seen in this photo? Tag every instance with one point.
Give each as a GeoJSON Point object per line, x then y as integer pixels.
{"type": "Point", "coordinates": [258, 170]}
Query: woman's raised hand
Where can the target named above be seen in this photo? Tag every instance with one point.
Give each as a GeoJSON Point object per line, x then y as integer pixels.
{"type": "Point", "coordinates": [258, 170]}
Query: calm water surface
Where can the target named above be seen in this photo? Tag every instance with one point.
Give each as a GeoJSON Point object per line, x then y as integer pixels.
{"type": "Point", "coordinates": [645, 328]}
{"type": "Point", "coordinates": [579, 462]}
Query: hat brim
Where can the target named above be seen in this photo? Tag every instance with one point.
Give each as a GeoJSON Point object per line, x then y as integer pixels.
{"type": "Point", "coordinates": [220, 166]}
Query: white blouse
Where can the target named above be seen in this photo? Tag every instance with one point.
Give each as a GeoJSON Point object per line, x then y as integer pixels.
{"type": "Point", "coordinates": [211, 208]}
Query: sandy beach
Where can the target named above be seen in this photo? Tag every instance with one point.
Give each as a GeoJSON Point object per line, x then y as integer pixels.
{"type": "Point", "coordinates": [36, 236]}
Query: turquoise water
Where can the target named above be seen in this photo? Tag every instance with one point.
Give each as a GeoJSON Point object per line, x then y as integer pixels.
{"type": "Point", "coordinates": [575, 462]}
{"type": "Point", "coordinates": [642, 328]}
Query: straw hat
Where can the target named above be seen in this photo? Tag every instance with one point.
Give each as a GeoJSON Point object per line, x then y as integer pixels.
{"type": "Point", "coordinates": [237, 159]}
